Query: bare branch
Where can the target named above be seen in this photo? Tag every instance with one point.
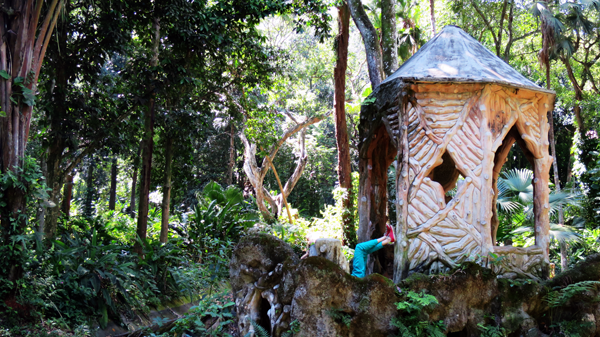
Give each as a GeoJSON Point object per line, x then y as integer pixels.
{"type": "Point", "coordinates": [290, 132]}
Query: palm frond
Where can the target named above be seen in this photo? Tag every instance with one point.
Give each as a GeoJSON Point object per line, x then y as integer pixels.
{"type": "Point", "coordinates": [563, 198]}
{"type": "Point", "coordinates": [509, 206]}
{"type": "Point", "coordinates": [592, 3]}
{"type": "Point", "coordinates": [564, 233]}
{"type": "Point", "coordinates": [563, 47]}
{"type": "Point", "coordinates": [517, 182]}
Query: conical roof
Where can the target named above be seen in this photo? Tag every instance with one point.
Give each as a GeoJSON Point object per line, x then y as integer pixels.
{"type": "Point", "coordinates": [455, 56]}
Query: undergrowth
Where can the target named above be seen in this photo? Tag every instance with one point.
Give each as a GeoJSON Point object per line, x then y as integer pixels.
{"type": "Point", "coordinates": [413, 320]}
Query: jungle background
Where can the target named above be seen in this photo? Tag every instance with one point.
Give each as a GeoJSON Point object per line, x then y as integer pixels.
{"type": "Point", "coordinates": [152, 131]}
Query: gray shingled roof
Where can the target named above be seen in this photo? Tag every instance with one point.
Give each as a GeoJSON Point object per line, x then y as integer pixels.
{"type": "Point", "coordinates": [455, 56]}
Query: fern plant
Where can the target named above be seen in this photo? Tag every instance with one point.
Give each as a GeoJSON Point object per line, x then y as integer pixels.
{"type": "Point", "coordinates": [560, 297]}
{"type": "Point", "coordinates": [414, 320]}
{"type": "Point", "coordinates": [340, 315]}
{"type": "Point", "coordinates": [492, 331]}
{"type": "Point", "coordinates": [259, 331]}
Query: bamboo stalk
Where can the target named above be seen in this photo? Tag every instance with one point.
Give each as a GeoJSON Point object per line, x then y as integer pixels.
{"type": "Point", "coordinates": [287, 207]}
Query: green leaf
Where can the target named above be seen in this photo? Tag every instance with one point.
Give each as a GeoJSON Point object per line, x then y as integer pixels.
{"type": "Point", "coordinates": [369, 100]}
{"type": "Point", "coordinates": [2, 113]}
{"type": "Point", "coordinates": [4, 75]}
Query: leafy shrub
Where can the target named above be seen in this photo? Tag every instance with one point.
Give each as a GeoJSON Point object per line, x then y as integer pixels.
{"type": "Point", "coordinates": [221, 214]}
{"type": "Point", "coordinates": [210, 317]}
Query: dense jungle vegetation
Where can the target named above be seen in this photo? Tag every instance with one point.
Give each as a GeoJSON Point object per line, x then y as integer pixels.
{"type": "Point", "coordinates": [140, 140]}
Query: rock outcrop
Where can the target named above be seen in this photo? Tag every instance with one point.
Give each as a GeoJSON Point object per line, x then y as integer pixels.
{"type": "Point", "coordinates": [315, 297]}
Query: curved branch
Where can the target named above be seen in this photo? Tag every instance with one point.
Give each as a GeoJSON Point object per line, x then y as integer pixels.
{"type": "Point", "coordinates": [290, 132]}
{"type": "Point", "coordinates": [302, 160]}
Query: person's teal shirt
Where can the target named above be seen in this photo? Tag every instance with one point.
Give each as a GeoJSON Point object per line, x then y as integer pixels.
{"type": "Point", "coordinates": [361, 253]}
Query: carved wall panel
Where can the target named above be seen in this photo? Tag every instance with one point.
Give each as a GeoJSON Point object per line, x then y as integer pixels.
{"type": "Point", "coordinates": [444, 131]}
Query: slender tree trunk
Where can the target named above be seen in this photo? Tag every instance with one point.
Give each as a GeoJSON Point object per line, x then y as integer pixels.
{"type": "Point", "coordinates": [89, 189]}
{"type": "Point", "coordinates": [133, 191]}
{"type": "Point", "coordinates": [164, 225]}
{"type": "Point", "coordinates": [561, 217]}
{"type": "Point", "coordinates": [231, 153]}
{"type": "Point", "coordinates": [112, 199]}
{"type": "Point", "coordinates": [432, 14]}
{"type": "Point", "coordinates": [341, 129]}
{"type": "Point", "coordinates": [41, 211]}
{"type": "Point", "coordinates": [67, 195]}
{"type": "Point", "coordinates": [578, 97]}
{"type": "Point", "coordinates": [56, 114]}
{"type": "Point", "coordinates": [370, 39]}
{"type": "Point", "coordinates": [389, 37]}
{"type": "Point", "coordinates": [54, 179]}
{"type": "Point", "coordinates": [142, 225]}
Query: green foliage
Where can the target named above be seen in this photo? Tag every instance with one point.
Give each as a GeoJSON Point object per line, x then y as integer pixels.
{"type": "Point", "coordinates": [560, 297]}
{"type": "Point", "coordinates": [515, 208]}
{"type": "Point", "coordinates": [259, 331]}
{"type": "Point", "coordinates": [414, 320]}
{"type": "Point", "coordinates": [340, 316]}
{"type": "Point", "coordinates": [210, 317]}
{"type": "Point", "coordinates": [220, 214]}
{"type": "Point", "coordinates": [574, 328]}
{"type": "Point", "coordinates": [492, 331]}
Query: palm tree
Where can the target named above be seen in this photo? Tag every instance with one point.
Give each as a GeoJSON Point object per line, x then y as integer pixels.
{"type": "Point", "coordinates": [515, 207]}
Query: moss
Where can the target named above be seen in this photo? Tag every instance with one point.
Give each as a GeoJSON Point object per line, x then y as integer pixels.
{"type": "Point", "coordinates": [589, 269]}
{"type": "Point", "coordinates": [273, 247]}
{"type": "Point", "coordinates": [415, 278]}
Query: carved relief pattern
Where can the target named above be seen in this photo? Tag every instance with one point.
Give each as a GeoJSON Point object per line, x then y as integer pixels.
{"type": "Point", "coordinates": [469, 127]}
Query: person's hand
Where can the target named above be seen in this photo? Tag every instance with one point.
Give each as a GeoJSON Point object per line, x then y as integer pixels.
{"type": "Point", "coordinates": [386, 240]}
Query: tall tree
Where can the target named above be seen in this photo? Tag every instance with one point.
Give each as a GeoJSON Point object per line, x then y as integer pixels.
{"type": "Point", "coordinates": [164, 225]}
{"type": "Point", "coordinates": [389, 37]}
{"type": "Point", "coordinates": [112, 194]}
{"type": "Point", "coordinates": [432, 16]}
{"type": "Point", "coordinates": [341, 129]}
{"type": "Point", "coordinates": [148, 142]}
{"type": "Point", "coordinates": [550, 27]}
{"type": "Point", "coordinates": [22, 52]}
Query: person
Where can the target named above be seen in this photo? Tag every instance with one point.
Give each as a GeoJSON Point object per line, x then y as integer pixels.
{"type": "Point", "coordinates": [362, 251]}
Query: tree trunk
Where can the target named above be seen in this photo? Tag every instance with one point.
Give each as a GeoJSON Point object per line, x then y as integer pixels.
{"type": "Point", "coordinates": [67, 195]}
{"type": "Point", "coordinates": [370, 39]}
{"type": "Point", "coordinates": [164, 225]}
{"type": "Point", "coordinates": [133, 191]}
{"type": "Point", "coordinates": [89, 189]}
{"type": "Point", "coordinates": [231, 154]}
{"type": "Point", "coordinates": [54, 179]}
{"type": "Point", "coordinates": [389, 37]}
{"type": "Point", "coordinates": [561, 217]}
{"type": "Point", "coordinates": [256, 175]}
{"type": "Point", "coordinates": [57, 114]}
{"type": "Point", "coordinates": [578, 97]}
{"type": "Point", "coordinates": [142, 225]}
{"type": "Point", "coordinates": [341, 128]}
{"type": "Point", "coordinates": [112, 199]}
{"type": "Point", "coordinates": [21, 57]}
{"type": "Point", "coordinates": [432, 14]}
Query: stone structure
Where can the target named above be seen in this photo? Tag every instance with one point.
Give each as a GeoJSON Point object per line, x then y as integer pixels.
{"type": "Point", "coordinates": [448, 119]}
{"type": "Point", "coordinates": [331, 249]}
{"type": "Point", "coordinates": [315, 297]}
